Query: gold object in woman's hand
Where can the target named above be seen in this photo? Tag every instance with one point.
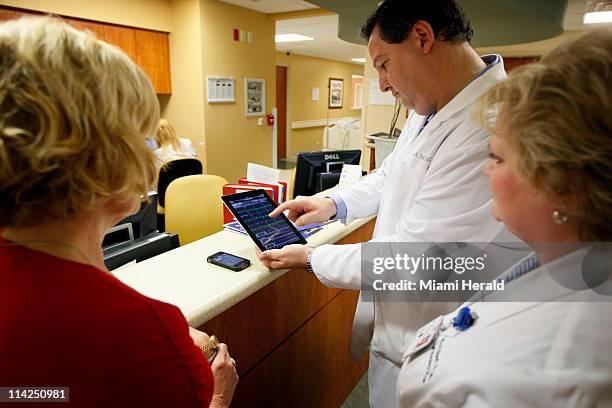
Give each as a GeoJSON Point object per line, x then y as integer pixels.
{"type": "Point", "coordinates": [210, 348]}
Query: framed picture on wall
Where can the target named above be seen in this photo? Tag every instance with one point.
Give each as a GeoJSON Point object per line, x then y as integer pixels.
{"type": "Point", "coordinates": [254, 97]}
{"type": "Point", "coordinates": [336, 93]}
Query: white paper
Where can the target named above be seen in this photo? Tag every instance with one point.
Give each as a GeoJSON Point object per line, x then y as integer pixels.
{"type": "Point", "coordinates": [262, 174]}
{"type": "Point", "coordinates": [351, 174]}
{"type": "Point", "coordinates": [315, 94]}
{"type": "Point", "coordinates": [377, 97]}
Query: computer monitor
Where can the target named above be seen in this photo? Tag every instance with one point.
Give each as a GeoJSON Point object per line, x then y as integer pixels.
{"type": "Point", "coordinates": [136, 225]}
{"type": "Point", "coordinates": [315, 170]}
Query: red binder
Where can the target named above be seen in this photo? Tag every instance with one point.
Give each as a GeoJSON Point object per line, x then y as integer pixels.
{"type": "Point", "coordinates": [280, 189]}
{"type": "Point", "coordinates": [239, 188]}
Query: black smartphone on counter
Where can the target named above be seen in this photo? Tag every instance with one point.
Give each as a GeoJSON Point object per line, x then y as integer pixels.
{"type": "Point", "coordinates": [229, 261]}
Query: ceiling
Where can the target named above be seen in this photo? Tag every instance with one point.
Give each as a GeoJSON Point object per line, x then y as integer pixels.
{"type": "Point", "coordinates": [272, 6]}
{"type": "Point", "coordinates": [495, 22]}
{"type": "Point", "coordinates": [326, 44]}
{"type": "Point", "coordinates": [516, 18]}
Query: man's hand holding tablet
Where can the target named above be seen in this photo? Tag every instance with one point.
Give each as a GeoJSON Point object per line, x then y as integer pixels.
{"type": "Point", "coordinates": [290, 257]}
{"type": "Point", "coordinates": [302, 211]}
{"type": "Point", "coordinates": [276, 236]}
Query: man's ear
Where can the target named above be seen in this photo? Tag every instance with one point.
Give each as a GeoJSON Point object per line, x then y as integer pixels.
{"type": "Point", "coordinates": [424, 34]}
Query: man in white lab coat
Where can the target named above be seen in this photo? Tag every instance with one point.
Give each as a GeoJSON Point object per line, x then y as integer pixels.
{"type": "Point", "coordinates": [430, 189]}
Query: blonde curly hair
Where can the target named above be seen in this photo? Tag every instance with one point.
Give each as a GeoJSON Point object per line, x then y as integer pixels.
{"type": "Point", "coordinates": [166, 135]}
{"type": "Point", "coordinates": [558, 117]}
{"type": "Point", "coordinates": [74, 115]}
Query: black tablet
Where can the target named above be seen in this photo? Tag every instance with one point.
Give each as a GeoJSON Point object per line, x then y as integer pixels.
{"type": "Point", "coordinates": [251, 210]}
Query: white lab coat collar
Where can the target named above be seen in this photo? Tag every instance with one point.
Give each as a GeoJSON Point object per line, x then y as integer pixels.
{"type": "Point", "coordinates": [469, 94]}
{"type": "Point", "coordinates": [555, 280]}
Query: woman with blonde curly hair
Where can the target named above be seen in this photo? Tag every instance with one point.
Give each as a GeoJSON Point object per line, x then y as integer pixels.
{"type": "Point", "coordinates": [546, 340]}
{"type": "Point", "coordinates": [170, 145]}
{"type": "Point", "coordinates": [74, 115]}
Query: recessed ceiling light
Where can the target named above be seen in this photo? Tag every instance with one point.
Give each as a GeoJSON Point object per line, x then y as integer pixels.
{"type": "Point", "coordinates": [598, 17]}
{"type": "Point", "coordinates": [361, 59]}
{"type": "Point", "coordinates": [283, 38]}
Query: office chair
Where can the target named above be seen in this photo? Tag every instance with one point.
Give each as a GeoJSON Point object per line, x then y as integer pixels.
{"type": "Point", "coordinates": [194, 209]}
{"type": "Point", "coordinates": [170, 171]}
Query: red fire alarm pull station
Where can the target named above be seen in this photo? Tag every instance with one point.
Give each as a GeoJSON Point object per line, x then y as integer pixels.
{"type": "Point", "coordinates": [236, 34]}
{"type": "Point", "coordinates": [270, 120]}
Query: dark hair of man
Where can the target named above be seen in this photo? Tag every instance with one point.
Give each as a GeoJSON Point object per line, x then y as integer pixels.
{"type": "Point", "coordinates": [395, 19]}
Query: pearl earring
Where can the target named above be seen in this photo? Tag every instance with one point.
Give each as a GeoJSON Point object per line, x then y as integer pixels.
{"type": "Point", "coordinates": [559, 217]}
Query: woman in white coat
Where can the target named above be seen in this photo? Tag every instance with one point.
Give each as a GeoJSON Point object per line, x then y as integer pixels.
{"type": "Point", "coordinates": [546, 341]}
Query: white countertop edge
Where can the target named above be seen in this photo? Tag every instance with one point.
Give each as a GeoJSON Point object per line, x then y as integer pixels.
{"type": "Point", "coordinates": [234, 295]}
{"type": "Point", "coordinates": [180, 276]}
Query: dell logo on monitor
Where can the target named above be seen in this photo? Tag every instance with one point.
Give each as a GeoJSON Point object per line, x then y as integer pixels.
{"type": "Point", "coordinates": [332, 157]}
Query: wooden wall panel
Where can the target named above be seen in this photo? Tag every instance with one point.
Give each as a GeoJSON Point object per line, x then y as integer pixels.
{"type": "Point", "coordinates": [7, 15]}
{"type": "Point", "coordinates": [255, 326]}
{"type": "Point", "coordinates": [149, 49]}
{"type": "Point", "coordinates": [122, 37]}
{"type": "Point", "coordinates": [95, 28]}
{"type": "Point", "coordinates": [312, 368]}
{"type": "Point", "coordinates": [153, 56]}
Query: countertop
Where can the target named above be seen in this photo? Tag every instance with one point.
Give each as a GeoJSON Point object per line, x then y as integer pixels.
{"type": "Point", "coordinates": [201, 290]}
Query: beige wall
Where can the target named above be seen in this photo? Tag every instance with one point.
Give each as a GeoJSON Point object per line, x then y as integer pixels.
{"type": "Point", "coordinates": [305, 73]}
{"type": "Point", "coordinates": [150, 14]}
{"type": "Point", "coordinates": [185, 107]}
{"type": "Point", "coordinates": [232, 139]}
{"type": "Point", "coordinates": [201, 44]}
{"type": "Point", "coordinates": [375, 118]}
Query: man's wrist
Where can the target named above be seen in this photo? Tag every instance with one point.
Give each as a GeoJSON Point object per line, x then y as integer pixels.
{"type": "Point", "coordinates": [333, 208]}
{"type": "Point", "coordinates": [340, 207]}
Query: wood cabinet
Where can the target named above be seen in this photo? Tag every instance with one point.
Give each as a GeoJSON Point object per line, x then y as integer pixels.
{"type": "Point", "coordinates": [96, 28]}
{"type": "Point", "coordinates": [7, 14]}
{"type": "Point", "coordinates": [153, 56]}
{"type": "Point", "coordinates": [149, 49]}
{"type": "Point", "coordinates": [125, 39]}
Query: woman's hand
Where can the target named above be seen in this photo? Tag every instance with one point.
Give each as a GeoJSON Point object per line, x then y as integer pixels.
{"type": "Point", "coordinates": [224, 372]}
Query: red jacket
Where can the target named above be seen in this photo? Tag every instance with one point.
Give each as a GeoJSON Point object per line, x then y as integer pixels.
{"type": "Point", "coordinates": [68, 324]}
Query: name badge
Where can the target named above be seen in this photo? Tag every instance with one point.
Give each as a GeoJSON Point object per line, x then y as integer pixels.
{"type": "Point", "coordinates": [424, 337]}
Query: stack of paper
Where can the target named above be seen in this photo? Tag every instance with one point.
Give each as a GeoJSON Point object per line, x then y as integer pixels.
{"type": "Point", "coordinates": [258, 178]}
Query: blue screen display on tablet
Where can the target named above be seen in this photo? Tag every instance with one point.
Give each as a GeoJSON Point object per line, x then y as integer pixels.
{"type": "Point", "coordinates": [251, 210]}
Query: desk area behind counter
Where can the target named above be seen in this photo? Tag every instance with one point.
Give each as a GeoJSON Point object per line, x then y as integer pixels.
{"type": "Point", "coordinates": [288, 332]}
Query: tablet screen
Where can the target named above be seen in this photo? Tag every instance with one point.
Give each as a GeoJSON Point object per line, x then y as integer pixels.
{"type": "Point", "coordinates": [251, 210]}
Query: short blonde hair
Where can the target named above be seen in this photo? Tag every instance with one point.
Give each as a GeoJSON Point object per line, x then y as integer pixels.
{"type": "Point", "coordinates": [74, 115]}
{"type": "Point", "coordinates": [166, 136]}
{"type": "Point", "coordinates": [558, 119]}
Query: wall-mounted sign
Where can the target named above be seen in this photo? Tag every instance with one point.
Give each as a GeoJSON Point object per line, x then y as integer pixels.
{"type": "Point", "coordinates": [220, 89]}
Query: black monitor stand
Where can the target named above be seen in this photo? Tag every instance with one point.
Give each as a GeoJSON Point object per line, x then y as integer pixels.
{"type": "Point", "coordinates": [328, 180]}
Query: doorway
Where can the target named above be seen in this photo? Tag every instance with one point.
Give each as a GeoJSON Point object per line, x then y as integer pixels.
{"type": "Point", "coordinates": [281, 112]}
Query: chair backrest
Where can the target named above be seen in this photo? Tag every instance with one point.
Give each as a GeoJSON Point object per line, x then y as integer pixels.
{"type": "Point", "coordinates": [193, 206]}
{"type": "Point", "coordinates": [172, 170]}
